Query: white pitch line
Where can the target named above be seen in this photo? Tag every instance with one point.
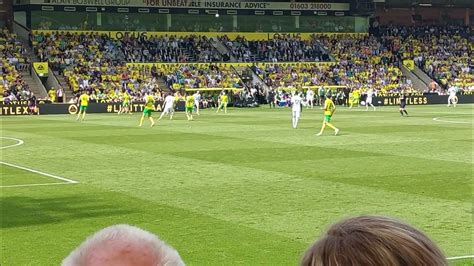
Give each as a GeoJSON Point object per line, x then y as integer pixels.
{"type": "Point", "coordinates": [18, 143]}
{"type": "Point", "coordinates": [437, 119]}
{"type": "Point", "coordinates": [21, 142]}
{"type": "Point", "coordinates": [461, 257]}
{"type": "Point", "coordinates": [36, 185]}
{"type": "Point", "coordinates": [70, 181]}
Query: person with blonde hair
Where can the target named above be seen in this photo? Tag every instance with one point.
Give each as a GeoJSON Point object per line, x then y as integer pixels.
{"type": "Point", "coordinates": [373, 241]}
{"type": "Point", "coordinates": [123, 245]}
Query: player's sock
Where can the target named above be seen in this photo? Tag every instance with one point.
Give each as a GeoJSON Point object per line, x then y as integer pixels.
{"type": "Point", "coordinates": [322, 130]}
{"type": "Point", "coordinates": [405, 111]}
{"type": "Point", "coordinates": [401, 112]}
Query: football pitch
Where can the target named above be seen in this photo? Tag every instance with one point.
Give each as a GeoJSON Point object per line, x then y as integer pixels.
{"type": "Point", "coordinates": [242, 188]}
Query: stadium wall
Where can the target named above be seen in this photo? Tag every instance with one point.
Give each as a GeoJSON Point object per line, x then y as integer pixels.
{"type": "Point", "coordinates": [407, 16]}
{"type": "Point", "coordinates": [195, 15]}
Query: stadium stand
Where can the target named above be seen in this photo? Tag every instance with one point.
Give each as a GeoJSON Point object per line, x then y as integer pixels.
{"type": "Point", "coordinates": [63, 49]}
{"type": "Point", "coordinates": [13, 61]}
{"type": "Point", "coordinates": [279, 49]}
{"type": "Point", "coordinates": [96, 60]}
{"type": "Point", "coordinates": [357, 61]}
{"type": "Point", "coordinates": [295, 74]}
{"type": "Point", "coordinates": [190, 76]}
{"type": "Point", "coordinates": [108, 81]}
{"type": "Point", "coordinates": [443, 52]}
{"type": "Point", "coordinates": [361, 61]}
{"type": "Point", "coordinates": [364, 61]}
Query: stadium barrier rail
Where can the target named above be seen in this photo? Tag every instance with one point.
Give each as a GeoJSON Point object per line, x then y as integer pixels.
{"type": "Point", "coordinates": [250, 36]}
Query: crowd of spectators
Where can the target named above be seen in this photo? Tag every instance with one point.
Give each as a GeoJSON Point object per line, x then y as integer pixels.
{"type": "Point", "coordinates": [107, 82]}
{"type": "Point", "coordinates": [65, 49]}
{"type": "Point", "coordinates": [363, 61]}
{"type": "Point", "coordinates": [171, 49]}
{"type": "Point", "coordinates": [191, 76]}
{"type": "Point", "coordinates": [443, 52]}
{"type": "Point", "coordinates": [98, 62]}
{"type": "Point", "coordinates": [279, 49]}
{"type": "Point", "coordinates": [13, 61]}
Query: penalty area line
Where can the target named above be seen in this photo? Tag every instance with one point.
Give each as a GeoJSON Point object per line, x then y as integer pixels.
{"type": "Point", "coordinates": [37, 185]}
{"type": "Point", "coordinates": [66, 180]}
{"type": "Point", "coordinates": [461, 257]}
{"type": "Point", "coordinates": [437, 119]}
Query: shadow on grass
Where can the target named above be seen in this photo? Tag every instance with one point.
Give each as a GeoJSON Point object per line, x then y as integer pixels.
{"type": "Point", "coordinates": [26, 211]}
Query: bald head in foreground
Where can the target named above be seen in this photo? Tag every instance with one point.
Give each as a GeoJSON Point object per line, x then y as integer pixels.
{"type": "Point", "coordinates": [123, 245]}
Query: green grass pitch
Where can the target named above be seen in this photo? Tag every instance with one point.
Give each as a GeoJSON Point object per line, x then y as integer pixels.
{"type": "Point", "coordinates": [242, 188]}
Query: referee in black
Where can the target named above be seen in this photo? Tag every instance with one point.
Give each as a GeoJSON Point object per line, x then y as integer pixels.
{"type": "Point", "coordinates": [403, 103]}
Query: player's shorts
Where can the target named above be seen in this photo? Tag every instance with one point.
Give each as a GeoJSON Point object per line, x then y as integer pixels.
{"type": "Point", "coordinates": [189, 109]}
{"type": "Point", "coordinates": [452, 99]}
{"type": "Point", "coordinates": [83, 108]}
{"type": "Point", "coordinates": [125, 104]}
{"type": "Point", "coordinates": [147, 112]}
{"type": "Point", "coordinates": [223, 104]}
{"type": "Point", "coordinates": [368, 101]}
{"type": "Point", "coordinates": [168, 109]}
{"type": "Point", "coordinates": [327, 118]}
{"type": "Point", "coordinates": [296, 113]}
{"type": "Point", "coordinates": [403, 104]}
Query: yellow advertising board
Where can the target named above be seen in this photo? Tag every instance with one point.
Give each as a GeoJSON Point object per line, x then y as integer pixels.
{"type": "Point", "coordinates": [159, 64]}
{"type": "Point", "coordinates": [41, 68]}
{"type": "Point", "coordinates": [409, 63]}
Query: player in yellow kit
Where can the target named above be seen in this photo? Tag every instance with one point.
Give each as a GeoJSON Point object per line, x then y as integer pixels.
{"type": "Point", "coordinates": [149, 107]}
{"type": "Point", "coordinates": [329, 109]}
{"type": "Point", "coordinates": [224, 100]}
{"type": "Point", "coordinates": [189, 107]}
{"type": "Point", "coordinates": [83, 104]}
{"type": "Point", "coordinates": [354, 98]}
{"type": "Point", "coordinates": [125, 108]}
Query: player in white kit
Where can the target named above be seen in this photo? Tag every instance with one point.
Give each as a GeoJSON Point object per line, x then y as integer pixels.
{"type": "Point", "coordinates": [169, 107]}
{"type": "Point", "coordinates": [296, 101]}
{"type": "Point", "coordinates": [368, 100]}
{"type": "Point", "coordinates": [452, 99]}
{"type": "Point", "coordinates": [310, 97]}
{"type": "Point", "coordinates": [197, 100]}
